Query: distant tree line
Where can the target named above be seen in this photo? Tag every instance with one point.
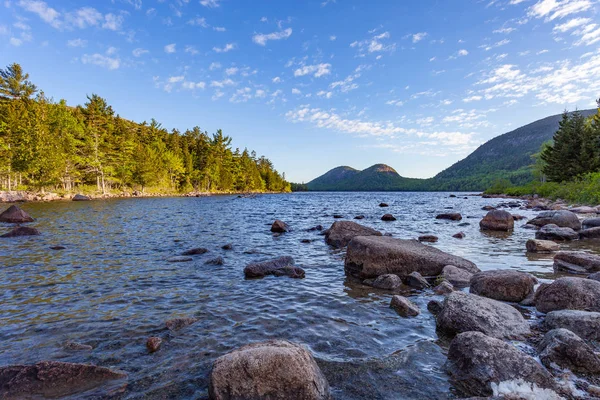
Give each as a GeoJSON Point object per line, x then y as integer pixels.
{"type": "Point", "coordinates": [50, 145]}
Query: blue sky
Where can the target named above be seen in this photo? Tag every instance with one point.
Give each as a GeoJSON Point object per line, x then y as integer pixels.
{"type": "Point", "coordinates": [316, 84]}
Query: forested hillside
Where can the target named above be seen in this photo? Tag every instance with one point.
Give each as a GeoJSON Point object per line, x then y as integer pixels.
{"type": "Point", "coordinates": [379, 177]}
{"type": "Point", "coordinates": [48, 145]}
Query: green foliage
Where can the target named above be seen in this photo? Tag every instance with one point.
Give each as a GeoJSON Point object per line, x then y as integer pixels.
{"type": "Point", "coordinates": [48, 145]}
{"type": "Point", "coordinates": [299, 187]}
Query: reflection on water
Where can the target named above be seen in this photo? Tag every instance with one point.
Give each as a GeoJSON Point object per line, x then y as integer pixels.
{"type": "Point", "coordinates": [111, 288]}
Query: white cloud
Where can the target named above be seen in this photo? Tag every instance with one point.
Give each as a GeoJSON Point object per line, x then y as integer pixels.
{"type": "Point", "coordinates": [112, 22]}
{"type": "Point", "coordinates": [188, 85]}
{"type": "Point", "coordinates": [374, 45]}
{"type": "Point", "coordinates": [223, 83]}
{"type": "Point", "coordinates": [332, 38]}
{"type": "Point", "coordinates": [171, 48]}
{"type": "Point", "coordinates": [210, 3]}
{"type": "Point", "coordinates": [139, 52]}
{"type": "Point", "coordinates": [463, 53]}
{"type": "Point", "coordinates": [198, 22]}
{"type": "Point", "coordinates": [175, 79]}
{"type": "Point", "coordinates": [76, 43]}
{"type": "Point", "coordinates": [47, 14]}
{"type": "Point", "coordinates": [324, 94]}
{"type": "Point", "coordinates": [318, 70]}
{"type": "Point", "coordinates": [417, 37]}
{"type": "Point", "coordinates": [276, 80]}
{"type": "Point", "coordinates": [219, 28]}
{"type": "Point", "coordinates": [505, 30]}
{"type": "Point", "coordinates": [296, 91]}
{"type": "Point", "coordinates": [262, 39]}
{"type": "Point", "coordinates": [101, 60]}
{"type": "Point", "coordinates": [553, 9]}
{"type": "Point", "coordinates": [15, 41]}
{"type": "Point", "coordinates": [228, 47]}
{"type": "Point", "coordinates": [347, 84]}
{"type": "Point", "coordinates": [191, 50]}
{"type": "Point", "coordinates": [571, 24]}
{"type": "Point", "coordinates": [472, 98]}
{"type": "Point", "coordinates": [231, 71]}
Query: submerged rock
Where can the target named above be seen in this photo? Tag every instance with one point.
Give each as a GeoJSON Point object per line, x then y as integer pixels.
{"type": "Point", "coordinates": [568, 294]}
{"type": "Point", "coordinates": [387, 282]}
{"type": "Point", "coordinates": [57, 247]}
{"type": "Point", "coordinates": [279, 227]}
{"type": "Point", "coordinates": [561, 218]}
{"type": "Point", "coordinates": [591, 233]}
{"type": "Point", "coordinates": [369, 257]}
{"type": "Point", "coordinates": [14, 214]}
{"type": "Point", "coordinates": [153, 344]}
{"type": "Point", "coordinates": [388, 217]}
{"type": "Point", "coordinates": [176, 324]}
{"type": "Point", "coordinates": [81, 197]}
{"type": "Point", "coordinates": [195, 251]}
{"type": "Point", "coordinates": [404, 307]}
{"type": "Point", "coordinates": [274, 370]}
{"type": "Point", "coordinates": [428, 239]}
{"type": "Point", "coordinates": [565, 349]}
{"type": "Point", "coordinates": [503, 285]}
{"type": "Point", "coordinates": [52, 379]}
{"type": "Point", "coordinates": [459, 235]}
{"type": "Point", "coordinates": [383, 205]}
{"type": "Point", "coordinates": [215, 261]}
{"type": "Point", "coordinates": [179, 259]}
{"type": "Point", "coordinates": [21, 231]}
{"type": "Point", "coordinates": [542, 246]}
{"type": "Point", "coordinates": [449, 216]}
{"type": "Point", "coordinates": [497, 220]}
{"type": "Point", "coordinates": [464, 312]}
{"type": "Point", "coordinates": [227, 246]}
{"type": "Point", "coordinates": [576, 262]}
{"type": "Point", "coordinates": [282, 266]}
{"type": "Point", "coordinates": [554, 232]}
{"type": "Point", "coordinates": [585, 324]}
{"type": "Point", "coordinates": [342, 232]}
{"type": "Point", "coordinates": [359, 217]}
{"type": "Point", "coordinates": [475, 361]}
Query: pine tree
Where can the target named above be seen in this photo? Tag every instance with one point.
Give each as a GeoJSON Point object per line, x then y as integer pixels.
{"type": "Point", "coordinates": [14, 84]}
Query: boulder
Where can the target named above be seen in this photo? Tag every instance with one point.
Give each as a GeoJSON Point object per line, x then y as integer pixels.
{"type": "Point", "coordinates": [195, 251]}
{"type": "Point", "coordinates": [542, 246]}
{"type": "Point", "coordinates": [404, 307]}
{"type": "Point", "coordinates": [464, 312]}
{"type": "Point", "coordinates": [383, 205]}
{"type": "Point", "coordinates": [416, 280]}
{"type": "Point", "coordinates": [388, 217]}
{"type": "Point", "coordinates": [456, 276]}
{"type": "Point", "coordinates": [449, 216]}
{"type": "Point", "coordinates": [153, 344]}
{"type": "Point", "coordinates": [459, 235]}
{"type": "Point", "coordinates": [21, 231]}
{"type": "Point", "coordinates": [176, 324]}
{"type": "Point", "coordinates": [584, 210]}
{"type": "Point", "coordinates": [561, 218]}
{"type": "Point", "coordinates": [562, 348]}
{"type": "Point", "coordinates": [228, 246]}
{"type": "Point", "coordinates": [590, 223]}
{"type": "Point", "coordinates": [428, 238]}
{"type": "Point", "coordinates": [443, 288]}
{"type": "Point", "coordinates": [371, 256]}
{"type": "Point", "coordinates": [554, 232]}
{"type": "Point", "coordinates": [568, 294]}
{"type": "Point", "coordinates": [52, 379]}
{"type": "Point", "coordinates": [342, 232]}
{"type": "Point", "coordinates": [434, 307]}
{"type": "Point", "coordinates": [279, 227]}
{"type": "Point", "coordinates": [81, 197]}
{"type": "Point", "coordinates": [15, 215]}
{"type": "Point", "coordinates": [585, 324]}
{"type": "Point", "coordinates": [282, 266]}
{"type": "Point", "coordinates": [475, 361]}
{"type": "Point", "coordinates": [387, 282]}
{"type": "Point", "coordinates": [591, 233]}
{"type": "Point", "coordinates": [576, 262]}
{"type": "Point", "coordinates": [338, 216]}
{"type": "Point", "coordinates": [359, 217]}
{"type": "Point", "coordinates": [497, 220]}
{"type": "Point", "coordinates": [503, 285]}
{"type": "Point", "coordinates": [274, 370]}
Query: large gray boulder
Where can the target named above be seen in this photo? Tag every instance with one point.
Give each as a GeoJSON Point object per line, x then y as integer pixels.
{"type": "Point", "coordinates": [568, 294]}
{"type": "Point", "coordinates": [503, 285]}
{"type": "Point", "coordinates": [554, 232]}
{"type": "Point", "coordinates": [387, 282]}
{"type": "Point", "coordinates": [591, 233]}
{"type": "Point", "coordinates": [342, 232]}
{"type": "Point", "coordinates": [52, 379]}
{"type": "Point", "coordinates": [562, 348]}
{"type": "Point", "coordinates": [576, 262]}
{"type": "Point", "coordinates": [81, 197]}
{"type": "Point", "coordinates": [585, 324]}
{"type": "Point", "coordinates": [562, 218]}
{"type": "Point", "coordinates": [404, 307]}
{"type": "Point", "coordinates": [15, 215]}
{"type": "Point", "coordinates": [464, 312]}
{"type": "Point", "coordinates": [475, 361]}
{"type": "Point", "coordinates": [542, 246]}
{"type": "Point", "coordinates": [590, 223]}
{"type": "Point", "coordinates": [371, 256]}
{"type": "Point", "coordinates": [456, 276]}
{"type": "Point", "coordinates": [497, 220]}
{"type": "Point", "coordinates": [274, 370]}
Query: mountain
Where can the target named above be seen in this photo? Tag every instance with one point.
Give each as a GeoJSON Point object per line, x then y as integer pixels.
{"type": "Point", "coordinates": [379, 177]}
{"type": "Point", "coordinates": [507, 156]}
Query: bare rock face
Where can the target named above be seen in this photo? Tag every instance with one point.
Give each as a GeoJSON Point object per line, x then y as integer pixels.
{"type": "Point", "coordinates": [503, 285]}
{"type": "Point", "coordinates": [176, 324]}
{"type": "Point", "coordinates": [342, 232]}
{"type": "Point", "coordinates": [475, 361]}
{"type": "Point", "coordinates": [404, 307]}
{"type": "Point", "coordinates": [282, 266]}
{"type": "Point", "coordinates": [449, 216]}
{"type": "Point", "coordinates": [585, 324]}
{"type": "Point", "coordinates": [576, 262]}
{"type": "Point", "coordinates": [21, 231]}
{"type": "Point", "coordinates": [568, 294]}
{"type": "Point", "coordinates": [456, 276]}
{"type": "Point", "coordinates": [542, 246]}
{"type": "Point", "coordinates": [464, 312]}
{"type": "Point", "coordinates": [274, 370]}
{"type": "Point", "coordinates": [279, 227]}
{"type": "Point", "coordinates": [561, 218]}
{"type": "Point", "coordinates": [387, 282]}
{"type": "Point", "coordinates": [52, 379]}
{"type": "Point", "coordinates": [554, 232]}
{"type": "Point", "coordinates": [371, 256]}
{"type": "Point", "coordinates": [565, 349]}
{"type": "Point", "coordinates": [497, 220]}
{"type": "Point", "coordinates": [15, 215]}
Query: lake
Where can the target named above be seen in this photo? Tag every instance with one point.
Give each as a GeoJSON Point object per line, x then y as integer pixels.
{"type": "Point", "coordinates": [112, 288]}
